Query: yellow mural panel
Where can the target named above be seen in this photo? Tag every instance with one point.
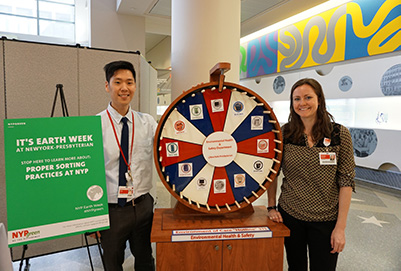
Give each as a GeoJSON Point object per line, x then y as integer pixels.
{"type": "Point", "coordinates": [315, 41]}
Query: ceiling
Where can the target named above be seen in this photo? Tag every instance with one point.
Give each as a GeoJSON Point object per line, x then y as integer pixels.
{"type": "Point", "coordinates": [255, 15]}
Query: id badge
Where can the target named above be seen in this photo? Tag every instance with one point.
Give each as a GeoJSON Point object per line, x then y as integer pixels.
{"type": "Point", "coordinates": [128, 176]}
{"type": "Point", "coordinates": [125, 192]}
{"type": "Point", "coordinates": [327, 158]}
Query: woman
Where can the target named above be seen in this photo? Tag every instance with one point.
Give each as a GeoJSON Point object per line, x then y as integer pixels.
{"type": "Point", "coordinates": [318, 167]}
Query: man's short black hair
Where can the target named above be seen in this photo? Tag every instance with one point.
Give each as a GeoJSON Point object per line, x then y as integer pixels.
{"type": "Point", "coordinates": [112, 67]}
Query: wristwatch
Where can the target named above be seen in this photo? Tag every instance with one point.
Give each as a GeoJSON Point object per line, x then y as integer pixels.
{"type": "Point", "coordinates": [272, 208]}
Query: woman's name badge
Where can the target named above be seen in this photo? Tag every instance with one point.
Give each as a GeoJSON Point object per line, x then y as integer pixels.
{"type": "Point", "coordinates": [125, 192]}
{"type": "Point", "coordinates": [327, 158]}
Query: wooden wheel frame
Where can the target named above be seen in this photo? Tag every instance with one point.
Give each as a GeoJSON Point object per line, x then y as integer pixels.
{"type": "Point", "coordinates": [218, 146]}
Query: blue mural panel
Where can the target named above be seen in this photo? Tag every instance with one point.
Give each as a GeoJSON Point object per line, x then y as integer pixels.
{"type": "Point", "coordinates": [372, 28]}
{"type": "Point", "coordinates": [262, 55]}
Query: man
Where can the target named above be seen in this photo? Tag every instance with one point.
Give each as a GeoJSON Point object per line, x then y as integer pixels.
{"type": "Point", "coordinates": [128, 146]}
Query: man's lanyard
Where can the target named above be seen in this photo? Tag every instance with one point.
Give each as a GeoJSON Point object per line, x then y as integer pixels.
{"type": "Point", "coordinates": [118, 142]}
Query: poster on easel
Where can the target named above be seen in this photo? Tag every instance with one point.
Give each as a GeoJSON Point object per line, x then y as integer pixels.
{"type": "Point", "coordinates": [55, 178]}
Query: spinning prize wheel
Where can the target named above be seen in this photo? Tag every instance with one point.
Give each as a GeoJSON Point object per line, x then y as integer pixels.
{"type": "Point", "coordinates": [218, 146]}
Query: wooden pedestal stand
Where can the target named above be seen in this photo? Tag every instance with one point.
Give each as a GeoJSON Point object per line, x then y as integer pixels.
{"type": "Point", "coordinates": [243, 254]}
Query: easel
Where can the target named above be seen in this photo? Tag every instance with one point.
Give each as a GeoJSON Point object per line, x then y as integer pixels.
{"type": "Point", "coordinates": [59, 89]}
{"type": "Point", "coordinates": [27, 265]}
{"type": "Point", "coordinates": [86, 234]}
{"type": "Point", "coordinates": [98, 245]}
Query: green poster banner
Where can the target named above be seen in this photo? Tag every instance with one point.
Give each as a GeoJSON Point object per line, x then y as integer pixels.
{"type": "Point", "coordinates": [55, 178]}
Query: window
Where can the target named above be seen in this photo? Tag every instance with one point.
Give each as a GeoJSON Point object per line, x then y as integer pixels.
{"type": "Point", "coordinates": [53, 21]}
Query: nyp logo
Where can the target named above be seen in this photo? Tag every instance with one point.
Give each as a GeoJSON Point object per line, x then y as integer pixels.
{"type": "Point", "coordinates": [19, 234]}
{"type": "Point", "coordinates": [23, 235]}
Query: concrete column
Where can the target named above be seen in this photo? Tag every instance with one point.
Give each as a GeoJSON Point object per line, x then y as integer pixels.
{"type": "Point", "coordinates": [204, 32]}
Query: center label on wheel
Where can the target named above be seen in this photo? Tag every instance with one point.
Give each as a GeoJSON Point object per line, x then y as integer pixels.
{"type": "Point", "coordinates": [219, 149]}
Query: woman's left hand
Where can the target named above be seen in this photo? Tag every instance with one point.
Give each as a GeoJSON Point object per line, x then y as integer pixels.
{"type": "Point", "coordinates": [337, 240]}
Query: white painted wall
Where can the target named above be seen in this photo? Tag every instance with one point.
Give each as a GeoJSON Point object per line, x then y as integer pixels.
{"type": "Point", "coordinates": [110, 30]}
{"type": "Point", "coordinates": [366, 74]}
{"type": "Point", "coordinates": [148, 86]}
{"type": "Point", "coordinates": [160, 55]}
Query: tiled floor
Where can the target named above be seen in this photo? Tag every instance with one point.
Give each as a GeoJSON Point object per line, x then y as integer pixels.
{"type": "Point", "coordinates": [373, 235]}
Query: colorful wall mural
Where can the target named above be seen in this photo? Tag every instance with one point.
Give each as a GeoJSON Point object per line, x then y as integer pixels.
{"type": "Point", "coordinates": [357, 29]}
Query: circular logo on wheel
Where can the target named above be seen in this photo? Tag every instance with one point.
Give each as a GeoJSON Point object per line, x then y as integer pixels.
{"type": "Point", "coordinates": [196, 111]}
{"type": "Point", "coordinates": [185, 170]}
{"type": "Point", "coordinates": [217, 105]}
{"type": "Point", "coordinates": [201, 184]}
{"type": "Point", "coordinates": [179, 126]}
{"type": "Point", "coordinates": [257, 123]}
{"type": "Point", "coordinates": [219, 186]}
{"type": "Point", "coordinates": [258, 166]}
{"type": "Point", "coordinates": [263, 146]}
{"type": "Point", "coordinates": [238, 107]}
{"type": "Point", "coordinates": [239, 180]}
{"type": "Point", "coordinates": [172, 149]}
